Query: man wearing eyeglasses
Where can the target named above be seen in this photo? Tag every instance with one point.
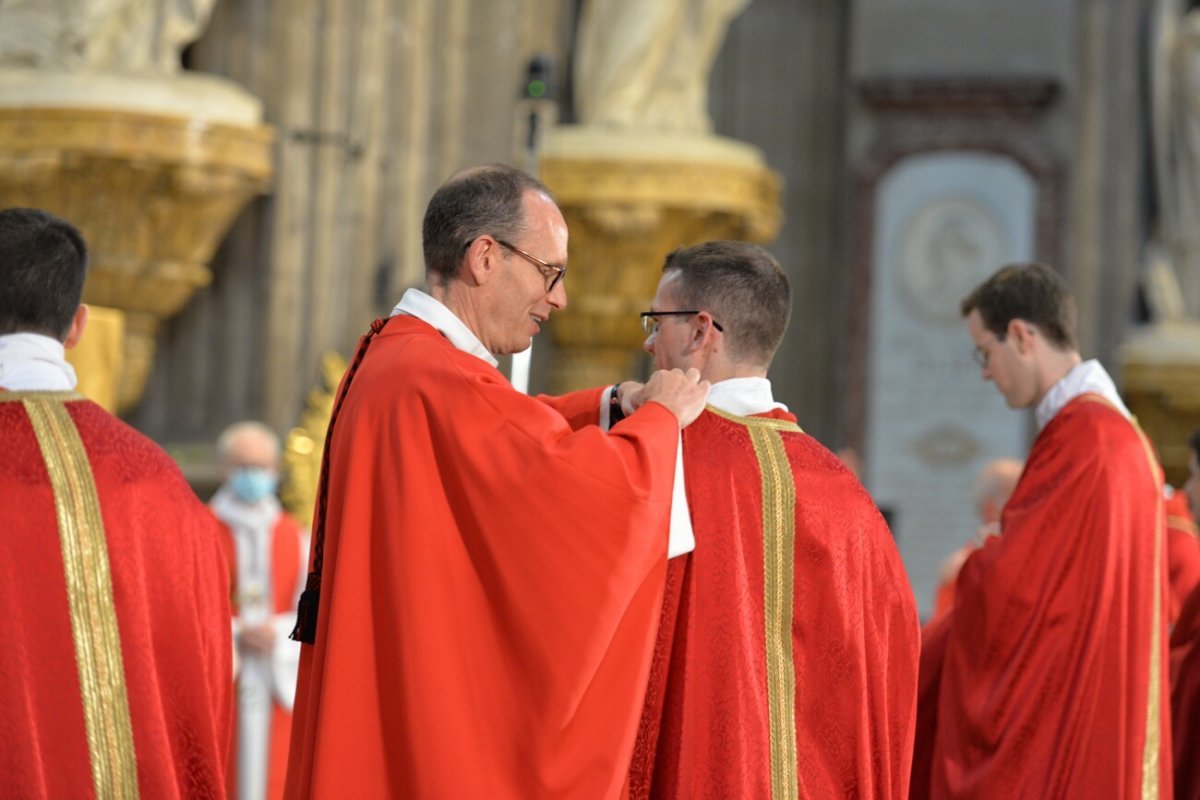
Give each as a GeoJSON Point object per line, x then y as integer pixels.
{"type": "Point", "coordinates": [786, 664]}
{"type": "Point", "coordinates": [487, 567]}
{"type": "Point", "coordinates": [1054, 673]}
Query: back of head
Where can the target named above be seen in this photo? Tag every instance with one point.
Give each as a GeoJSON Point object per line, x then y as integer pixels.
{"type": "Point", "coordinates": [43, 263]}
{"type": "Point", "coordinates": [744, 288]}
{"type": "Point", "coordinates": [1031, 292]}
{"type": "Point", "coordinates": [487, 199]}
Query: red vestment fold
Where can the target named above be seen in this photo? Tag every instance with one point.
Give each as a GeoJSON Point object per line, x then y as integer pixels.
{"type": "Point", "coordinates": [929, 685]}
{"type": "Point", "coordinates": [150, 562]}
{"type": "Point", "coordinates": [1185, 699]}
{"type": "Point", "coordinates": [491, 585]}
{"type": "Point", "coordinates": [1183, 553]}
{"type": "Point", "coordinates": [786, 661]}
{"type": "Point", "coordinates": [1054, 681]}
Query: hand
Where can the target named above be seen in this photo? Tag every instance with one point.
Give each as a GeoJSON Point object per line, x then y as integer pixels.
{"type": "Point", "coordinates": [683, 393]}
{"type": "Point", "coordinates": [986, 530]}
{"type": "Point", "coordinates": [631, 396]}
{"type": "Point", "coordinates": [257, 640]}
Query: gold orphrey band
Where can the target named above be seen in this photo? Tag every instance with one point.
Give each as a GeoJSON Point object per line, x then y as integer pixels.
{"type": "Point", "coordinates": [90, 599]}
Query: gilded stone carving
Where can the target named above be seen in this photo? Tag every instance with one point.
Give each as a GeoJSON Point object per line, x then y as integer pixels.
{"type": "Point", "coordinates": [305, 444]}
{"type": "Point", "coordinates": [629, 200]}
{"type": "Point", "coordinates": [152, 194]}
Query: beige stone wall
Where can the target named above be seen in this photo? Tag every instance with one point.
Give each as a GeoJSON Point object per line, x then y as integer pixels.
{"type": "Point", "coordinates": [375, 103]}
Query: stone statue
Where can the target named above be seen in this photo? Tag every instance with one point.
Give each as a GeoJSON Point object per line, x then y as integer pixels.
{"type": "Point", "coordinates": [645, 66]}
{"type": "Point", "coordinates": [1173, 266]}
{"type": "Point", "coordinates": [120, 36]}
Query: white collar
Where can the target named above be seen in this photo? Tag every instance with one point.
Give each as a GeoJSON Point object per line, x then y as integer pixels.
{"type": "Point", "coordinates": [416, 303]}
{"type": "Point", "coordinates": [245, 517]}
{"type": "Point", "coordinates": [1084, 378]}
{"type": "Point", "coordinates": [744, 396]}
{"type": "Point", "coordinates": [33, 362]}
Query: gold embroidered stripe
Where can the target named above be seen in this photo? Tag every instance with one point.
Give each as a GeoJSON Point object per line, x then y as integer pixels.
{"type": "Point", "coordinates": [779, 534]}
{"type": "Point", "coordinates": [1153, 741]}
{"type": "Point", "coordinates": [757, 422]}
{"type": "Point", "coordinates": [90, 598]}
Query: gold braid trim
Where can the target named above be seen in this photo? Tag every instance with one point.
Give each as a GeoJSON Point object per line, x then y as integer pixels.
{"type": "Point", "coordinates": [89, 596]}
{"type": "Point", "coordinates": [1182, 524]}
{"type": "Point", "coordinates": [57, 397]}
{"type": "Point", "coordinates": [779, 538]}
{"type": "Point", "coordinates": [757, 422]}
{"type": "Point", "coordinates": [1153, 741]}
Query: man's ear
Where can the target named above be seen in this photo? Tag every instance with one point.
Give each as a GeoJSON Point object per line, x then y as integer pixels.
{"type": "Point", "coordinates": [1024, 335]}
{"type": "Point", "coordinates": [480, 261]}
{"type": "Point", "coordinates": [702, 331]}
{"type": "Point", "coordinates": [77, 325]}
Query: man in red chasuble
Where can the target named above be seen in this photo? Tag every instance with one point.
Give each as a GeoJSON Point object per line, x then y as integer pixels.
{"type": "Point", "coordinates": [1054, 676]}
{"type": "Point", "coordinates": [786, 660]}
{"type": "Point", "coordinates": [1185, 661]}
{"type": "Point", "coordinates": [487, 567]}
{"type": "Point", "coordinates": [116, 665]}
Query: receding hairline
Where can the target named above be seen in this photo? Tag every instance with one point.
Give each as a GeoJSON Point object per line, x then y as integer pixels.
{"type": "Point", "coordinates": [241, 430]}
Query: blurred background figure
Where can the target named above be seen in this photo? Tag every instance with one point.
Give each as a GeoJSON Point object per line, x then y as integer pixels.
{"type": "Point", "coordinates": [1183, 546]}
{"type": "Point", "coordinates": [993, 487]}
{"type": "Point", "coordinates": [1185, 648]}
{"type": "Point", "coordinates": [268, 556]}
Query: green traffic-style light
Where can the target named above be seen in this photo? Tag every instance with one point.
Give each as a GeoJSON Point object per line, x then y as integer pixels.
{"type": "Point", "coordinates": [536, 88]}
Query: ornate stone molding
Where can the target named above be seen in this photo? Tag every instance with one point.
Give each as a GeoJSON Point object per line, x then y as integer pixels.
{"type": "Point", "coordinates": [1010, 97]}
{"type": "Point", "coordinates": [913, 116]}
{"type": "Point", "coordinates": [152, 194]}
{"type": "Point", "coordinates": [628, 201]}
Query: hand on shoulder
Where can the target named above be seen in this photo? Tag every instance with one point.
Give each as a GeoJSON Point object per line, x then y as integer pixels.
{"type": "Point", "coordinates": [681, 392]}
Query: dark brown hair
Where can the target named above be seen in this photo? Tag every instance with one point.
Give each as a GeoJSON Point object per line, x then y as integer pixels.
{"type": "Point", "coordinates": [743, 287]}
{"type": "Point", "coordinates": [1031, 292]}
{"type": "Point", "coordinates": [43, 264]}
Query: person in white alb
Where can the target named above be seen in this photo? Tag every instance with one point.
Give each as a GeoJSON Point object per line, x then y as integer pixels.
{"type": "Point", "coordinates": [267, 552]}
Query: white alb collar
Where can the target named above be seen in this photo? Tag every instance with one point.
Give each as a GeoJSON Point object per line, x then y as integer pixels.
{"type": "Point", "coordinates": [1087, 377]}
{"type": "Point", "coordinates": [744, 396]}
{"type": "Point", "coordinates": [426, 308]}
{"type": "Point", "coordinates": [31, 362]}
{"type": "Point", "coordinates": [242, 517]}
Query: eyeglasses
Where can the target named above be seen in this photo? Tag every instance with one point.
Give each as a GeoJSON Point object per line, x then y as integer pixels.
{"type": "Point", "coordinates": [553, 278]}
{"type": "Point", "coordinates": [981, 357]}
{"type": "Point", "coordinates": [650, 321]}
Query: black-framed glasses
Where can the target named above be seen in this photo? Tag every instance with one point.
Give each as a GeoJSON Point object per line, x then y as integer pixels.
{"type": "Point", "coordinates": [650, 321]}
{"type": "Point", "coordinates": [555, 275]}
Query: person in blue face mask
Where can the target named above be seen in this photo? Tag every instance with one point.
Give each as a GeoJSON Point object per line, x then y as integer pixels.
{"type": "Point", "coordinates": [268, 555]}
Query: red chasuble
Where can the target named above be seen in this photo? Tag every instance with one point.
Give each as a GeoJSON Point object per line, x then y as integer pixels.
{"type": "Point", "coordinates": [116, 659]}
{"type": "Point", "coordinates": [287, 537]}
{"type": "Point", "coordinates": [929, 687]}
{"type": "Point", "coordinates": [786, 663]}
{"type": "Point", "coordinates": [1185, 699]}
{"type": "Point", "coordinates": [1054, 682]}
{"type": "Point", "coordinates": [493, 571]}
{"type": "Point", "coordinates": [1183, 553]}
